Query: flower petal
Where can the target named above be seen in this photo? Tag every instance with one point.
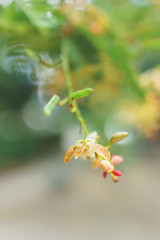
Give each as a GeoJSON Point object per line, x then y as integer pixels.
{"type": "Point", "coordinates": [102, 151]}
{"type": "Point", "coordinates": [96, 163]}
{"type": "Point", "coordinates": [69, 154]}
{"type": "Point", "coordinates": [78, 152]}
{"type": "Point", "coordinates": [106, 166]}
{"type": "Point", "coordinates": [92, 137]}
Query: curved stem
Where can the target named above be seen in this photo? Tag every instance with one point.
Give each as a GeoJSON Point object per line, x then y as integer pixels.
{"type": "Point", "coordinates": [81, 120]}
{"type": "Point", "coordinates": [66, 68]}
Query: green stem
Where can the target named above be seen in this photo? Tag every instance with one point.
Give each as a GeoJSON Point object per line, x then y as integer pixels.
{"type": "Point", "coordinates": [108, 146]}
{"type": "Point", "coordinates": [63, 101]}
{"type": "Point", "coordinates": [65, 64]}
{"type": "Point", "coordinates": [66, 68]}
{"type": "Point", "coordinates": [81, 120]}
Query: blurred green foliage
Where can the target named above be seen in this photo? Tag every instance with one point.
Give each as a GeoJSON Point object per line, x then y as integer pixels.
{"type": "Point", "coordinates": [110, 44]}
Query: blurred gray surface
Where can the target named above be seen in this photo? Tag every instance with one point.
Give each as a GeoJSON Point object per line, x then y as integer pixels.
{"type": "Point", "coordinates": [47, 199]}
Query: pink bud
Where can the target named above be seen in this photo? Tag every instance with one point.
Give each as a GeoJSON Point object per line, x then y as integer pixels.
{"type": "Point", "coordinates": [105, 174]}
{"type": "Point", "coordinates": [115, 178]}
{"type": "Point", "coordinates": [105, 165]}
{"type": "Point", "coordinates": [117, 173]}
{"type": "Point", "coordinates": [116, 159]}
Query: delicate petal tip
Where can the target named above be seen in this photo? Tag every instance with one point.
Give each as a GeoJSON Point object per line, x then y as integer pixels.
{"type": "Point", "coordinates": [78, 152]}
{"type": "Point", "coordinates": [105, 165]}
{"type": "Point", "coordinates": [116, 159]}
{"type": "Point", "coordinates": [115, 180]}
{"type": "Point", "coordinates": [96, 163]}
{"type": "Point", "coordinates": [105, 175]}
{"type": "Point", "coordinates": [92, 137]}
{"type": "Point", "coordinates": [69, 154]}
{"type": "Point", "coordinates": [99, 149]}
{"type": "Point", "coordinates": [117, 173]}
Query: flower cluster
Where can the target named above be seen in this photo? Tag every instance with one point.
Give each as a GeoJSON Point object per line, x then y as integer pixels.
{"type": "Point", "coordinates": [88, 149]}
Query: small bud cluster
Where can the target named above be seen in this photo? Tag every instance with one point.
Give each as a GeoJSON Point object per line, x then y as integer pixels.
{"type": "Point", "coordinates": [115, 159]}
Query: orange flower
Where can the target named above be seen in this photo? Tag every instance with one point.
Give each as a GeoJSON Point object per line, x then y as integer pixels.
{"type": "Point", "coordinates": [87, 149]}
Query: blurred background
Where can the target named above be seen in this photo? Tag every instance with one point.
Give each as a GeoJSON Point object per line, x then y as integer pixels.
{"type": "Point", "coordinates": [114, 48]}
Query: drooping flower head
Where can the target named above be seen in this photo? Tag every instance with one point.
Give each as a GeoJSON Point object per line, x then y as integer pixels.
{"type": "Point", "coordinates": [88, 149]}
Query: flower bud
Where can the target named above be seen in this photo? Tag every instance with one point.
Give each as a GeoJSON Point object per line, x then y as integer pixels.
{"type": "Point", "coordinates": [105, 174]}
{"type": "Point", "coordinates": [116, 159]}
{"type": "Point", "coordinates": [105, 165]}
{"type": "Point", "coordinates": [117, 173]}
{"type": "Point", "coordinates": [81, 93]}
{"type": "Point", "coordinates": [117, 137]}
{"type": "Point", "coordinates": [115, 178]}
{"type": "Point", "coordinates": [51, 105]}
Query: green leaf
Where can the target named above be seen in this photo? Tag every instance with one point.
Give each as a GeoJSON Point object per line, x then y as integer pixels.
{"type": "Point", "coordinates": [81, 93]}
{"type": "Point", "coordinates": [51, 105]}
